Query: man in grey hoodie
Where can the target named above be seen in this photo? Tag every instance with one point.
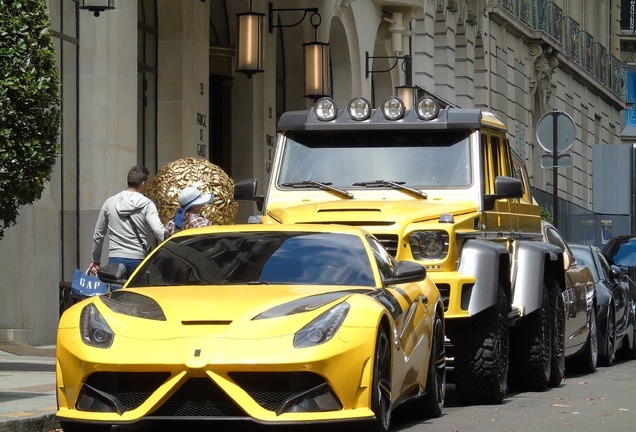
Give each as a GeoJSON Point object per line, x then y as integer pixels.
{"type": "Point", "coordinates": [125, 217]}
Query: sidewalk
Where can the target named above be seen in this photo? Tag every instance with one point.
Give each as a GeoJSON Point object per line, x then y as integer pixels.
{"type": "Point", "coordinates": [27, 388]}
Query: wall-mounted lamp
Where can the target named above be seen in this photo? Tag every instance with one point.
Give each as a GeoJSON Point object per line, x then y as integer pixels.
{"type": "Point", "coordinates": [406, 65]}
{"type": "Point", "coordinates": [97, 6]}
{"type": "Point", "coordinates": [316, 62]}
{"type": "Point", "coordinates": [250, 42]}
{"type": "Point", "coordinates": [409, 94]}
{"type": "Point", "coordinates": [271, 16]}
{"type": "Point", "coordinates": [315, 54]}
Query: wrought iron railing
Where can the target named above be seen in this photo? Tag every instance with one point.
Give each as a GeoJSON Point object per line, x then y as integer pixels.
{"type": "Point", "coordinates": [572, 44]}
{"type": "Point", "coordinates": [588, 52]}
{"type": "Point", "coordinates": [578, 45]}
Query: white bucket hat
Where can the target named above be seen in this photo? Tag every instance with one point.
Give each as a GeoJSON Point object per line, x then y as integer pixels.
{"type": "Point", "coordinates": [191, 196]}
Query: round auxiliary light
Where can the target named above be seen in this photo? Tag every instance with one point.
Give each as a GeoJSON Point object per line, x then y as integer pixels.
{"type": "Point", "coordinates": [427, 108]}
{"type": "Point", "coordinates": [359, 109]}
{"type": "Point", "coordinates": [393, 108]}
{"type": "Point", "coordinates": [325, 109]}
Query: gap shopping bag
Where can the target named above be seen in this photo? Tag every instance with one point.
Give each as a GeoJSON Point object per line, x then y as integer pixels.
{"type": "Point", "coordinates": [86, 285]}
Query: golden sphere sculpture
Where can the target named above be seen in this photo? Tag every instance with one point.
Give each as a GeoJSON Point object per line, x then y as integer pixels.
{"type": "Point", "coordinates": [165, 187]}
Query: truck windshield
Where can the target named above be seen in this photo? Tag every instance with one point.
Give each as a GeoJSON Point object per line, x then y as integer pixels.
{"type": "Point", "coordinates": [361, 158]}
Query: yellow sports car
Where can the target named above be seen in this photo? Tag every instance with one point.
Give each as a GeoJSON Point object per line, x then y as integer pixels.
{"type": "Point", "coordinates": [269, 323]}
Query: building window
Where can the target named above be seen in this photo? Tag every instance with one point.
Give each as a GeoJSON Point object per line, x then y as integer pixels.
{"type": "Point", "coordinates": [147, 84]}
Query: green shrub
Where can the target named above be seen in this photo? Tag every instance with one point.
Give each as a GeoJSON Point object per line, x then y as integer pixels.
{"type": "Point", "coordinates": [545, 214]}
{"type": "Point", "coordinates": [29, 106]}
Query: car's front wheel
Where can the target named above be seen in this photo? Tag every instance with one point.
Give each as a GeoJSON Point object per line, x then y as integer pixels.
{"type": "Point", "coordinates": [381, 388]}
{"type": "Point", "coordinates": [587, 360]}
{"type": "Point", "coordinates": [433, 400]}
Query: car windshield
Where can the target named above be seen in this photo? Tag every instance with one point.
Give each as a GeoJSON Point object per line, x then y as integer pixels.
{"type": "Point", "coordinates": [258, 258]}
{"type": "Point", "coordinates": [431, 159]}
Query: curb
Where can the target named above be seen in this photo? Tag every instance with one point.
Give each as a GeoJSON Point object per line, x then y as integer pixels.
{"type": "Point", "coordinates": [44, 423]}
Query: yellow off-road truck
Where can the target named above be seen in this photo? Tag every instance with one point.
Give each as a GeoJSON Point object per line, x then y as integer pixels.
{"type": "Point", "coordinates": [439, 185]}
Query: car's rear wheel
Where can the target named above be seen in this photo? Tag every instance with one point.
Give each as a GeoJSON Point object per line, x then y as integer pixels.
{"type": "Point", "coordinates": [607, 359]}
{"type": "Point", "coordinates": [381, 390]}
{"type": "Point", "coordinates": [531, 349]}
{"type": "Point", "coordinates": [629, 352]}
{"type": "Point", "coordinates": [83, 427]}
{"type": "Point", "coordinates": [481, 355]}
{"type": "Point", "coordinates": [586, 361]}
{"type": "Point", "coordinates": [433, 400]}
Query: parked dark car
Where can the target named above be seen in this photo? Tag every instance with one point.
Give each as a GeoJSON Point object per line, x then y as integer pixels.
{"type": "Point", "coordinates": [614, 303]}
{"type": "Point", "coordinates": [621, 251]}
{"type": "Point", "coordinates": [579, 295]}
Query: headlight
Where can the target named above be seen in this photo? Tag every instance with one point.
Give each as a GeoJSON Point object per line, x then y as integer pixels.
{"type": "Point", "coordinates": [427, 108]}
{"type": "Point", "coordinates": [359, 109]}
{"type": "Point", "coordinates": [325, 109]}
{"type": "Point", "coordinates": [94, 329]}
{"type": "Point", "coordinates": [429, 244]}
{"type": "Point", "coordinates": [322, 329]}
{"type": "Point", "coordinates": [393, 108]}
{"type": "Point", "coordinates": [134, 305]}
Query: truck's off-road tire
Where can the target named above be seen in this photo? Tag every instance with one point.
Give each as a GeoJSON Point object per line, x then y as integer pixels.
{"type": "Point", "coordinates": [481, 355]}
{"type": "Point", "coordinates": [557, 306]}
{"type": "Point", "coordinates": [531, 350]}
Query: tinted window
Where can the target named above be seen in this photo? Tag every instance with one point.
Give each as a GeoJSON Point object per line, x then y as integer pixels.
{"type": "Point", "coordinates": [626, 254]}
{"type": "Point", "coordinates": [260, 257]}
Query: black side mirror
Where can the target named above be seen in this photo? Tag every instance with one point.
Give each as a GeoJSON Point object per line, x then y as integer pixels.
{"type": "Point", "coordinates": [505, 187]}
{"type": "Point", "coordinates": [407, 271]}
{"type": "Point", "coordinates": [245, 190]}
{"type": "Point", "coordinates": [114, 274]}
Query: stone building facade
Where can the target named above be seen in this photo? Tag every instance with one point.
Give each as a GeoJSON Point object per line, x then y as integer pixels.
{"type": "Point", "coordinates": [153, 81]}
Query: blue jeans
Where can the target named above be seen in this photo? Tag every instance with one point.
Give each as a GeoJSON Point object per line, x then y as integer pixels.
{"type": "Point", "coordinates": [130, 264]}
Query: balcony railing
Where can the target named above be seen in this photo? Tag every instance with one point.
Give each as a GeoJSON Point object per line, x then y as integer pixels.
{"type": "Point", "coordinates": [578, 45]}
{"type": "Point", "coordinates": [572, 44]}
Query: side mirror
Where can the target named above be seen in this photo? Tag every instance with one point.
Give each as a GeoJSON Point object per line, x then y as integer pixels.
{"type": "Point", "coordinates": [617, 272]}
{"type": "Point", "coordinates": [245, 190]}
{"type": "Point", "coordinates": [505, 187]}
{"type": "Point", "coordinates": [114, 274]}
{"type": "Point", "coordinates": [407, 271]}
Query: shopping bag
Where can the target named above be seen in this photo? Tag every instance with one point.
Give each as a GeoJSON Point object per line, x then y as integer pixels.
{"type": "Point", "coordinates": [86, 285]}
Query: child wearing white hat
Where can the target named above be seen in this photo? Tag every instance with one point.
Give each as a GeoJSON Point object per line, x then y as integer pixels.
{"type": "Point", "coordinates": [188, 215]}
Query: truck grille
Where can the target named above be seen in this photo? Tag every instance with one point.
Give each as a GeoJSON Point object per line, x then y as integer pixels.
{"type": "Point", "coordinates": [389, 241]}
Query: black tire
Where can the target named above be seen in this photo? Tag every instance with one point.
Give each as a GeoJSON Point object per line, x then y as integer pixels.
{"type": "Point", "coordinates": [629, 352]}
{"type": "Point", "coordinates": [557, 306]}
{"type": "Point", "coordinates": [83, 427]}
{"type": "Point", "coordinates": [586, 361]}
{"type": "Point", "coordinates": [531, 350]}
{"type": "Point", "coordinates": [607, 359]}
{"type": "Point", "coordinates": [433, 400]}
{"type": "Point", "coordinates": [481, 355]}
{"type": "Point", "coordinates": [381, 391]}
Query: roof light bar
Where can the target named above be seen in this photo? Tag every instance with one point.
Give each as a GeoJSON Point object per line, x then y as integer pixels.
{"type": "Point", "coordinates": [393, 108]}
{"type": "Point", "coordinates": [325, 109]}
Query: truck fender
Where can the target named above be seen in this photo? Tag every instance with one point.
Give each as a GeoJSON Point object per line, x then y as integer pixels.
{"type": "Point", "coordinates": [533, 260]}
{"type": "Point", "coordinates": [488, 262]}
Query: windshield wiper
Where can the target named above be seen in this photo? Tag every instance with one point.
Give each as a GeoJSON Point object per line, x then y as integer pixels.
{"type": "Point", "coordinates": [400, 185]}
{"type": "Point", "coordinates": [320, 185]}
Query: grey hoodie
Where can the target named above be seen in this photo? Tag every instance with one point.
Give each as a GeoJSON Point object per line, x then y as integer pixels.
{"type": "Point", "coordinates": [115, 218]}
